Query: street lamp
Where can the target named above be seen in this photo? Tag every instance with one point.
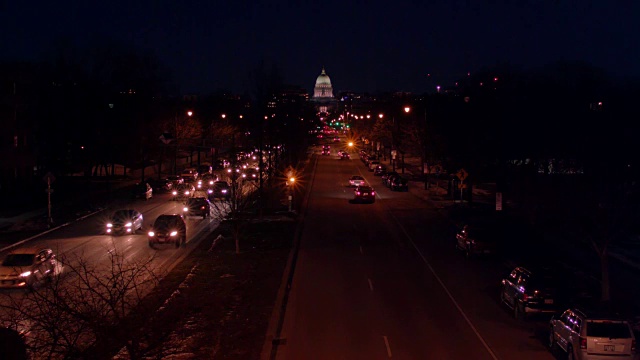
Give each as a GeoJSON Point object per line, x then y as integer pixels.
{"type": "Point", "coordinates": [177, 137]}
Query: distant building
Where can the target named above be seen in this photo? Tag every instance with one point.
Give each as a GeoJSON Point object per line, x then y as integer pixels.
{"type": "Point", "coordinates": [323, 94]}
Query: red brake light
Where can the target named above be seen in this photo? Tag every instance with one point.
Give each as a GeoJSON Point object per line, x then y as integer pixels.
{"type": "Point", "coordinates": [357, 192]}
{"type": "Point", "coordinates": [373, 193]}
{"type": "Point", "coordinates": [583, 343]}
{"type": "Point", "coordinates": [524, 297]}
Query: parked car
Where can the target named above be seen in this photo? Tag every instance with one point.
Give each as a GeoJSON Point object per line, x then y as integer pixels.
{"type": "Point", "coordinates": [478, 239]}
{"type": "Point", "coordinates": [160, 185]}
{"type": "Point", "coordinates": [379, 170]}
{"type": "Point", "coordinates": [183, 191]}
{"type": "Point", "coordinates": [175, 180]}
{"type": "Point", "coordinates": [168, 229]}
{"type": "Point", "coordinates": [27, 267]}
{"type": "Point", "coordinates": [398, 183]}
{"type": "Point", "coordinates": [197, 206]}
{"type": "Point", "coordinates": [124, 221]}
{"type": "Point", "coordinates": [373, 164]}
{"type": "Point", "coordinates": [142, 190]}
{"type": "Point", "coordinates": [189, 174]}
{"type": "Point", "coordinates": [364, 193]}
{"type": "Point", "coordinates": [534, 291]}
{"type": "Point", "coordinates": [592, 334]}
{"type": "Point", "coordinates": [386, 177]}
{"type": "Point", "coordinates": [356, 180]}
{"type": "Point", "coordinates": [204, 169]}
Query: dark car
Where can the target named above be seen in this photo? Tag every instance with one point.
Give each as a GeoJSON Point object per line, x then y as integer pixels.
{"type": "Point", "coordinates": [532, 290]}
{"type": "Point", "coordinates": [478, 239]}
{"type": "Point", "coordinates": [183, 191]}
{"type": "Point", "coordinates": [398, 183]}
{"type": "Point", "coordinates": [124, 221]}
{"type": "Point", "coordinates": [345, 156]}
{"type": "Point", "coordinates": [386, 177]}
{"type": "Point", "coordinates": [142, 190]}
{"type": "Point", "coordinates": [197, 207]}
{"type": "Point", "coordinates": [168, 229]}
{"type": "Point", "coordinates": [364, 193]}
{"type": "Point", "coordinates": [220, 190]}
{"type": "Point", "coordinates": [204, 169]}
{"type": "Point", "coordinates": [379, 170]}
{"type": "Point", "coordinates": [160, 185]}
{"type": "Point", "coordinates": [175, 180]}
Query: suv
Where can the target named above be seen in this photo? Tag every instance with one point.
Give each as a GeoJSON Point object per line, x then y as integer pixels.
{"type": "Point", "coordinates": [168, 229]}
{"type": "Point", "coordinates": [531, 291]}
{"type": "Point", "coordinates": [183, 191]}
{"type": "Point", "coordinates": [364, 193]}
{"type": "Point", "coordinates": [220, 190]}
{"type": "Point", "coordinates": [592, 335]}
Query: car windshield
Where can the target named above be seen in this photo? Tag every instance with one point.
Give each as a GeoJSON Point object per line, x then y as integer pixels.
{"type": "Point", "coordinates": [164, 222]}
{"type": "Point", "coordinates": [196, 201]}
{"type": "Point", "coordinates": [122, 215]}
{"type": "Point", "coordinates": [357, 178]}
{"type": "Point", "coordinates": [365, 189]}
{"type": "Point", "coordinates": [608, 329]}
{"type": "Point", "coordinates": [18, 260]}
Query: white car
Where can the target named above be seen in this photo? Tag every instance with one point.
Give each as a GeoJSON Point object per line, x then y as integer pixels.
{"type": "Point", "coordinates": [27, 267]}
{"type": "Point", "coordinates": [593, 335]}
{"type": "Point", "coordinates": [356, 180]}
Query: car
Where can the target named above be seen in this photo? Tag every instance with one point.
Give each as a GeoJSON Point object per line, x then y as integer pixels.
{"type": "Point", "coordinates": [251, 174]}
{"type": "Point", "coordinates": [206, 181]}
{"type": "Point", "coordinates": [28, 267]}
{"type": "Point", "coordinates": [220, 190]}
{"type": "Point", "coordinates": [160, 185]}
{"type": "Point", "coordinates": [336, 139]}
{"type": "Point", "coordinates": [386, 177]}
{"type": "Point", "coordinates": [373, 164]}
{"type": "Point", "coordinates": [477, 239]}
{"type": "Point", "coordinates": [175, 180]}
{"type": "Point", "coordinates": [183, 191]}
{"type": "Point", "coordinates": [197, 206]}
{"type": "Point", "coordinates": [398, 183]}
{"type": "Point", "coordinates": [592, 334]}
{"type": "Point", "coordinates": [364, 193]}
{"type": "Point", "coordinates": [204, 169]}
{"type": "Point", "coordinates": [356, 180]}
{"type": "Point", "coordinates": [532, 290]}
{"type": "Point", "coordinates": [168, 229]}
{"type": "Point", "coordinates": [326, 152]}
{"type": "Point", "coordinates": [345, 156]}
{"type": "Point", "coordinates": [142, 190]}
{"type": "Point", "coordinates": [379, 170]}
{"type": "Point", "coordinates": [189, 174]}
{"type": "Point", "coordinates": [124, 221]}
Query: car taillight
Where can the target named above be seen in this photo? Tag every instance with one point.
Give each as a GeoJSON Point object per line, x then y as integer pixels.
{"type": "Point", "coordinates": [373, 193]}
{"type": "Point", "coordinates": [525, 297]}
{"type": "Point", "coordinates": [357, 192]}
{"type": "Point", "coordinates": [583, 343]}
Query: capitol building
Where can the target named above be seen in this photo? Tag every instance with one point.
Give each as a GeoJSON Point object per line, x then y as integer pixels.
{"type": "Point", "coordinates": [323, 94]}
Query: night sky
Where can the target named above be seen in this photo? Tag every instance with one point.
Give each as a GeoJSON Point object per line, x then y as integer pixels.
{"type": "Point", "coordinates": [364, 45]}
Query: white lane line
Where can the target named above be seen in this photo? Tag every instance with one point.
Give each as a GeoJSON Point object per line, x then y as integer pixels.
{"type": "Point", "coordinates": [386, 343]}
{"type": "Point", "coordinates": [370, 284]}
{"type": "Point", "coordinates": [444, 287]}
{"type": "Point", "coordinates": [361, 251]}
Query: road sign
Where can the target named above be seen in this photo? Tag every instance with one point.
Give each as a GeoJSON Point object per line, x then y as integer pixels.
{"type": "Point", "coordinates": [49, 178]}
{"type": "Point", "coordinates": [462, 186]}
{"type": "Point", "coordinates": [462, 174]}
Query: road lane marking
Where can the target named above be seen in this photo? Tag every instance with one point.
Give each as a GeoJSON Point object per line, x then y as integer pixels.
{"type": "Point", "coordinates": [370, 284]}
{"type": "Point", "coordinates": [446, 290]}
{"type": "Point", "coordinates": [386, 343]}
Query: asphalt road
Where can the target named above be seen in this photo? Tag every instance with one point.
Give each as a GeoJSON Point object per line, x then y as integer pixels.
{"type": "Point", "coordinates": [383, 280]}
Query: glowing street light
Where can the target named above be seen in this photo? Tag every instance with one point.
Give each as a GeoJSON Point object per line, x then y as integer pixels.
{"type": "Point", "coordinates": [407, 109]}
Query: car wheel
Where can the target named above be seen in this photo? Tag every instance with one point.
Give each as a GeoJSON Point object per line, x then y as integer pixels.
{"type": "Point", "coordinates": [152, 245]}
{"type": "Point", "coordinates": [570, 355]}
{"type": "Point", "coordinates": [177, 243]}
{"type": "Point", "coordinates": [184, 242]}
{"type": "Point", "coordinates": [503, 299]}
{"type": "Point", "coordinates": [552, 339]}
{"type": "Point", "coordinates": [518, 313]}
{"type": "Point", "coordinates": [467, 253]}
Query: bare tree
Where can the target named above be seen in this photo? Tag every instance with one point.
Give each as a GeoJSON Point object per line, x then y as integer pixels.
{"type": "Point", "coordinates": [84, 311]}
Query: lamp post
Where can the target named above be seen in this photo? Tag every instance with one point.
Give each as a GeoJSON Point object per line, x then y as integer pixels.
{"type": "Point", "coordinates": [177, 137]}
{"type": "Point", "coordinates": [407, 110]}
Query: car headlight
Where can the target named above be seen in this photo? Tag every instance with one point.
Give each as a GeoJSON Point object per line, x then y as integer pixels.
{"type": "Point", "coordinates": [211, 182]}
{"type": "Point", "coordinates": [151, 233]}
{"type": "Point", "coordinates": [210, 191]}
{"type": "Point", "coordinates": [109, 225]}
{"type": "Point", "coordinates": [185, 209]}
{"type": "Point", "coordinates": [186, 193]}
{"type": "Point", "coordinates": [175, 193]}
{"type": "Point", "coordinates": [128, 224]}
{"type": "Point", "coordinates": [224, 191]}
{"type": "Point", "coordinates": [174, 233]}
{"type": "Point", "coordinates": [25, 274]}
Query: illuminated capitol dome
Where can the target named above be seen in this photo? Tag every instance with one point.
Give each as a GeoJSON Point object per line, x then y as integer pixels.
{"type": "Point", "coordinates": [323, 93]}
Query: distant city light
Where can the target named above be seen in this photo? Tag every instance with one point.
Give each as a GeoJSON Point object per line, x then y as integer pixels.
{"type": "Point", "coordinates": [438, 88]}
